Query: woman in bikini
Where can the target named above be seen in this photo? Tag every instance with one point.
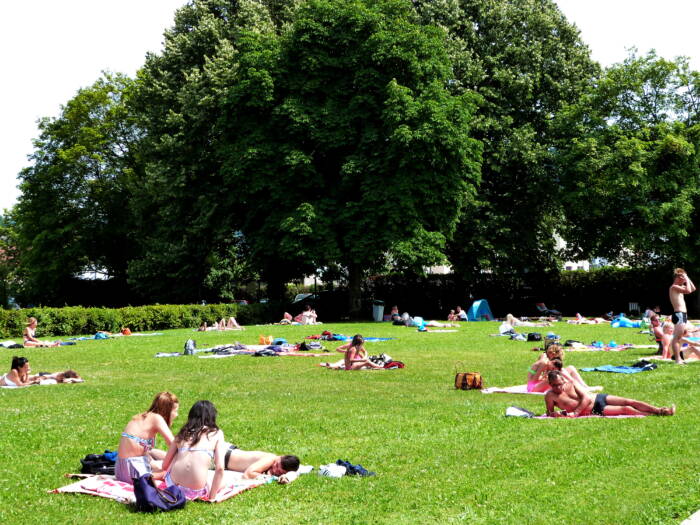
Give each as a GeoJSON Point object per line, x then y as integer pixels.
{"type": "Point", "coordinates": [356, 355]}
{"type": "Point", "coordinates": [18, 374]}
{"type": "Point", "coordinates": [30, 339]}
{"type": "Point", "coordinates": [190, 454]}
{"type": "Point", "coordinates": [548, 361]}
{"type": "Point", "coordinates": [136, 455]}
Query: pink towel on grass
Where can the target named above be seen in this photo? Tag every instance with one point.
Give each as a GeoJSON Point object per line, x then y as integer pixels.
{"type": "Point", "coordinates": [109, 487]}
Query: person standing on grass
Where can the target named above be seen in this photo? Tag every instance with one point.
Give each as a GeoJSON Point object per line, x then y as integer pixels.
{"type": "Point", "coordinates": [573, 401]}
{"type": "Point", "coordinates": [682, 285]}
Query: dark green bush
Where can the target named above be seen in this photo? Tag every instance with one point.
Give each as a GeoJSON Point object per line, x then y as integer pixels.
{"type": "Point", "coordinates": [74, 320]}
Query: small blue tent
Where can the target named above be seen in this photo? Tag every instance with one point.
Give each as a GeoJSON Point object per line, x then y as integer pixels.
{"type": "Point", "coordinates": [480, 311]}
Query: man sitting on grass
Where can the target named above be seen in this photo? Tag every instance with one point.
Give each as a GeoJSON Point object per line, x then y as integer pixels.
{"type": "Point", "coordinates": [574, 401]}
{"type": "Point", "coordinates": [252, 463]}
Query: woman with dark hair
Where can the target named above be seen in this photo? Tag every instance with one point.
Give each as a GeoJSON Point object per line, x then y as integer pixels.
{"type": "Point", "coordinates": [190, 454]}
{"type": "Point", "coordinates": [18, 374]}
{"type": "Point", "coordinates": [552, 359]}
{"type": "Point", "coordinates": [356, 355]}
{"type": "Point", "coordinates": [136, 455]}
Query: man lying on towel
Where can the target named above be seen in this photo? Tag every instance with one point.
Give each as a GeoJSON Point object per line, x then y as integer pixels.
{"type": "Point", "coordinates": [574, 401]}
{"type": "Point", "coordinates": [252, 463]}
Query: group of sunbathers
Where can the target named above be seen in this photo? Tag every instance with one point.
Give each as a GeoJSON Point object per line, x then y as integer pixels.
{"type": "Point", "coordinates": [198, 447]}
{"type": "Point", "coordinates": [566, 390]}
{"type": "Point", "coordinates": [224, 324]}
{"type": "Point", "coordinates": [19, 375]}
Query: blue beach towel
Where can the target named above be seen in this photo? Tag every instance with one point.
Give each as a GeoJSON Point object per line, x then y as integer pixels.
{"type": "Point", "coordinates": [619, 369]}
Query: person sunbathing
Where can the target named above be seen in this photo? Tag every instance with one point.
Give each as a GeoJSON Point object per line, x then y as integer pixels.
{"type": "Point", "coordinates": [308, 316]}
{"type": "Point", "coordinates": [692, 350]}
{"type": "Point", "coordinates": [356, 355]}
{"type": "Point", "coordinates": [552, 359]}
{"type": "Point", "coordinates": [579, 319]}
{"type": "Point", "coordinates": [19, 373]}
{"type": "Point", "coordinates": [253, 463]}
{"type": "Point", "coordinates": [69, 376]}
{"type": "Point", "coordinates": [136, 455]}
{"type": "Point", "coordinates": [573, 401]}
{"type": "Point", "coordinates": [198, 443]}
{"type": "Point", "coordinates": [30, 339]}
{"type": "Point", "coordinates": [514, 321]}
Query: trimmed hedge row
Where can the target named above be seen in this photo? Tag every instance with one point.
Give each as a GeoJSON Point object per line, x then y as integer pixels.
{"type": "Point", "coordinates": [74, 320]}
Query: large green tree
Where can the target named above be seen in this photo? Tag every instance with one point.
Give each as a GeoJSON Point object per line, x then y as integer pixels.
{"type": "Point", "coordinates": [525, 60]}
{"type": "Point", "coordinates": [323, 133]}
{"type": "Point", "coordinates": [189, 217]}
{"type": "Point", "coordinates": [73, 212]}
{"type": "Point", "coordinates": [344, 141]}
{"type": "Point", "coordinates": [629, 164]}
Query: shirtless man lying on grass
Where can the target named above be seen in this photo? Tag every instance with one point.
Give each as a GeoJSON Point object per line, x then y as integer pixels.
{"type": "Point", "coordinates": [252, 463]}
{"type": "Point", "coordinates": [573, 402]}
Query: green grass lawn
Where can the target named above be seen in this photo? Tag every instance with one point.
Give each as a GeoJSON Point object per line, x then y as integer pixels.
{"type": "Point", "coordinates": [441, 455]}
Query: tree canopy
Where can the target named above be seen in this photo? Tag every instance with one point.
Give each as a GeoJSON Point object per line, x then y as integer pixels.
{"type": "Point", "coordinates": [271, 140]}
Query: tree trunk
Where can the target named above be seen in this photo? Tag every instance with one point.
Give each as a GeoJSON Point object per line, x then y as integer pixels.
{"type": "Point", "coordinates": [354, 290]}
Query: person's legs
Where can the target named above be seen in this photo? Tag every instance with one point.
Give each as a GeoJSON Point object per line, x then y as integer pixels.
{"type": "Point", "coordinates": [678, 330]}
{"type": "Point", "coordinates": [633, 407]}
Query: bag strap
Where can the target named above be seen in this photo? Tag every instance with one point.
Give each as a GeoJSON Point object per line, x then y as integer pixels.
{"type": "Point", "coordinates": [458, 363]}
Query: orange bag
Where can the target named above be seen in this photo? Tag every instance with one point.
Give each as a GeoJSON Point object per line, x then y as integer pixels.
{"type": "Point", "coordinates": [468, 380]}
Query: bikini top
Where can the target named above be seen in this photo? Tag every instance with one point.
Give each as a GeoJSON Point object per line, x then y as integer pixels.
{"type": "Point", "coordinates": [147, 444]}
{"type": "Point", "coordinates": [186, 449]}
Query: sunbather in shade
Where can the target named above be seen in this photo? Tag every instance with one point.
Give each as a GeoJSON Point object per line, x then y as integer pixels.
{"type": "Point", "coordinates": [573, 401]}
{"type": "Point", "coordinates": [30, 339]}
{"type": "Point", "coordinates": [552, 359]}
{"type": "Point", "coordinates": [254, 463]}
{"type": "Point", "coordinates": [198, 443]}
{"type": "Point", "coordinates": [136, 455]}
{"type": "Point", "coordinates": [356, 354]}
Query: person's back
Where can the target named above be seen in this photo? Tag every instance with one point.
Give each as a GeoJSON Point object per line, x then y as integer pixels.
{"type": "Point", "coordinates": [190, 465]}
{"type": "Point", "coordinates": [241, 460]}
{"type": "Point", "coordinates": [144, 427]}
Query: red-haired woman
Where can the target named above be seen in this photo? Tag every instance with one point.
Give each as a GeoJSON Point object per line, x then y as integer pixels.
{"type": "Point", "coordinates": [136, 455]}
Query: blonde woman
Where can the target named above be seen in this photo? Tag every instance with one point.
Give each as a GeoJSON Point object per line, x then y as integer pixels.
{"type": "Point", "coordinates": [30, 339]}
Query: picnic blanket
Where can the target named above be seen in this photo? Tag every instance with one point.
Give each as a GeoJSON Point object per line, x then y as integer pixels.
{"type": "Point", "coordinates": [48, 382]}
{"type": "Point", "coordinates": [109, 487]}
{"type": "Point", "coordinates": [517, 389]}
{"type": "Point", "coordinates": [544, 416]}
{"type": "Point", "coordinates": [616, 348]}
{"type": "Point", "coordinates": [280, 354]}
{"type": "Point", "coordinates": [341, 337]}
{"type": "Point", "coordinates": [619, 369]}
{"type": "Point", "coordinates": [692, 520]}
{"type": "Point", "coordinates": [691, 359]}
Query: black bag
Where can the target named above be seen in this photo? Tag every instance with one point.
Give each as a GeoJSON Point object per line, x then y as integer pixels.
{"type": "Point", "coordinates": [534, 336]}
{"type": "Point", "coordinates": [97, 464]}
{"type": "Point", "coordinates": [150, 498]}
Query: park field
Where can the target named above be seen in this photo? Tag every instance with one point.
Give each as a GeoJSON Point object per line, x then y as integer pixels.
{"type": "Point", "coordinates": [440, 455]}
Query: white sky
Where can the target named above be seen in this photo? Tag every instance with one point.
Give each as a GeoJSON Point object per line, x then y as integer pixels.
{"type": "Point", "coordinates": [51, 48]}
